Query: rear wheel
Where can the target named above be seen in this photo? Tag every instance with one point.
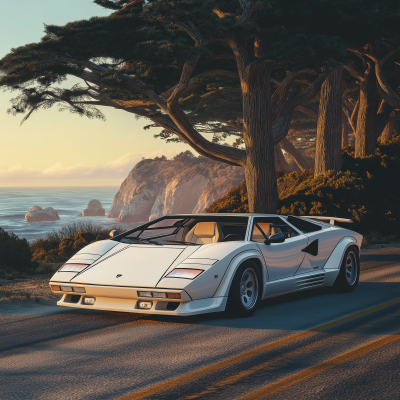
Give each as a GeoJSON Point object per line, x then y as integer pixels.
{"type": "Point", "coordinates": [349, 273]}
{"type": "Point", "coordinates": [245, 291]}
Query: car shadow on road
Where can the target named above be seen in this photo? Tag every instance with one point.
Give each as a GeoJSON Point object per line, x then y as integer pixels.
{"type": "Point", "coordinates": [299, 311]}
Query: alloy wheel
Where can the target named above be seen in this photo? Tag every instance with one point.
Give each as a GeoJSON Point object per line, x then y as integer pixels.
{"type": "Point", "coordinates": [351, 268]}
{"type": "Point", "coordinates": [249, 288]}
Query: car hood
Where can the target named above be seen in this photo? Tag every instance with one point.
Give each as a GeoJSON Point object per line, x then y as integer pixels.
{"type": "Point", "coordinates": [133, 265]}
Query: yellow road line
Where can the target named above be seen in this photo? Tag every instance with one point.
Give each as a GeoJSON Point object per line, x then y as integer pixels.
{"type": "Point", "coordinates": [266, 365]}
{"type": "Point", "coordinates": [273, 388]}
{"type": "Point", "coordinates": [251, 353]}
{"type": "Point", "coordinates": [239, 376]}
{"type": "Point", "coordinates": [214, 367]}
{"type": "Point", "coordinates": [355, 315]}
{"type": "Point", "coordinates": [397, 263]}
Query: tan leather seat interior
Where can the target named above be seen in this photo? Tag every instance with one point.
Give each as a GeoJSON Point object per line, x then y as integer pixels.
{"type": "Point", "coordinates": [267, 228]}
{"type": "Point", "coordinates": [205, 233]}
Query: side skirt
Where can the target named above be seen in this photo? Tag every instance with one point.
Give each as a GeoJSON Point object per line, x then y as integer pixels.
{"type": "Point", "coordinates": [298, 283]}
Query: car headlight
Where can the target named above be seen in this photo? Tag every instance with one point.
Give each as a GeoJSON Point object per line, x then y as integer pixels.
{"type": "Point", "coordinates": [73, 267]}
{"type": "Point", "coordinates": [185, 273]}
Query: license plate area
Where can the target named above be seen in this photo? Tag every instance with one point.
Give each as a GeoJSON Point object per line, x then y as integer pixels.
{"type": "Point", "coordinates": [89, 301]}
{"type": "Point", "coordinates": [144, 305]}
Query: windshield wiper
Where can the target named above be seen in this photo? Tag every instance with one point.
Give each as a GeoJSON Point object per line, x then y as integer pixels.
{"type": "Point", "coordinates": [139, 240]}
{"type": "Point", "coordinates": [177, 241]}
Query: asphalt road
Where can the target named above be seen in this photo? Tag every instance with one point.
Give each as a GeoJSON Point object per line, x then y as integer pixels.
{"type": "Point", "coordinates": [312, 345]}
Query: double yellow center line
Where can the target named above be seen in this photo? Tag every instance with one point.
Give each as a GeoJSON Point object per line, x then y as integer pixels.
{"type": "Point", "coordinates": [280, 385]}
{"type": "Point", "coordinates": [275, 387]}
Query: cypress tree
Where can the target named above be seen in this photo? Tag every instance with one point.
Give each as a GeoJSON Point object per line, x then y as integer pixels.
{"type": "Point", "coordinates": [154, 58]}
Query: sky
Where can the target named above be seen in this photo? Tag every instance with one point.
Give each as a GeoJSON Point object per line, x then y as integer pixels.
{"type": "Point", "coordinates": [55, 148]}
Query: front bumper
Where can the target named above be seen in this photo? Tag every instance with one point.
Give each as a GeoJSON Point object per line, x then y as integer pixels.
{"type": "Point", "coordinates": [126, 299]}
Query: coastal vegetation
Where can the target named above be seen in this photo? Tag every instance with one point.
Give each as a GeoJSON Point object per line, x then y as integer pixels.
{"type": "Point", "coordinates": [45, 255]}
{"type": "Point", "coordinates": [367, 191]}
{"type": "Point", "coordinates": [15, 255]}
{"type": "Point", "coordinates": [60, 245]}
{"type": "Point", "coordinates": [236, 68]}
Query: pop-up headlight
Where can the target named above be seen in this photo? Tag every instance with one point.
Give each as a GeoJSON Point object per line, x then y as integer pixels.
{"type": "Point", "coordinates": [73, 267]}
{"type": "Point", "coordinates": [185, 273]}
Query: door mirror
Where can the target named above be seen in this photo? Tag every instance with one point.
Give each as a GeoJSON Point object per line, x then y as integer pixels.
{"type": "Point", "coordinates": [277, 238]}
{"type": "Point", "coordinates": [114, 233]}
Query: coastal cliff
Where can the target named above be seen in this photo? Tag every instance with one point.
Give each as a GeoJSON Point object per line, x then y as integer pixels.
{"type": "Point", "coordinates": [185, 184]}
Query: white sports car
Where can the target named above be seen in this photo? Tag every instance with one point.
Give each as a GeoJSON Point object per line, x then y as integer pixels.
{"type": "Point", "coordinates": [201, 263]}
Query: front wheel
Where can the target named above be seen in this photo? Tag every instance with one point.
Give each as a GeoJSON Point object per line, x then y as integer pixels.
{"type": "Point", "coordinates": [245, 292]}
{"type": "Point", "coordinates": [349, 273]}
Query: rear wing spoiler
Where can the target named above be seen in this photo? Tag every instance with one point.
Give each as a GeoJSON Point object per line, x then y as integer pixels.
{"type": "Point", "coordinates": [331, 219]}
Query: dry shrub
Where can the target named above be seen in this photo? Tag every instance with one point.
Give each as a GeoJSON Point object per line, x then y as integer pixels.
{"type": "Point", "coordinates": [15, 256]}
{"type": "Point", "coordinates": [62, 244]}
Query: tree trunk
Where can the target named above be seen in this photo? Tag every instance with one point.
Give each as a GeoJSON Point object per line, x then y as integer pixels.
{"type": "Point", "coordinates": [329, 126]}
{"type": "Point", "coordinates": [300, 161]}
{"type": "Point", "coordinates": [280, 161]}
{"type": "Point", "coordinates": [354, 115]}
{"type": "Point", "coordinates": [387, 133]}
{"type": "Point", "coordinates": [382, 118]}
{"type": "Point", "coordinates": [260, 161]}
{"type": "Point", "coordinates": [345, 132]}
{"type": "Point", "coordinates": [368, 108]}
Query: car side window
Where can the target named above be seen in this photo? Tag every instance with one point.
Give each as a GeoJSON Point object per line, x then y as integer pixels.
{"type": "Point", "coordinates": [268, 226]}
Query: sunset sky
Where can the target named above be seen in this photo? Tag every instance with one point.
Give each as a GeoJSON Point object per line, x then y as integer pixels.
{"type": "Point", "coordinates": [62, 149]}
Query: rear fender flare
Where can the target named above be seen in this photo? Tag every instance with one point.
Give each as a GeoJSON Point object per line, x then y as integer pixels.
{"type": "Point", "coordinates": [335, 259]}
{"type": "Point", "coordinates": [224, 286]}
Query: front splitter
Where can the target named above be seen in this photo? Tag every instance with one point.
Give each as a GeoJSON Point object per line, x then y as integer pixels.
{"type": "Point", "coordinates": [193, 307]}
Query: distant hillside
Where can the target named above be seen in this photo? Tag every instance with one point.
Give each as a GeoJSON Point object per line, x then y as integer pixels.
{"type": "Point", "coordinates": [185, 184]}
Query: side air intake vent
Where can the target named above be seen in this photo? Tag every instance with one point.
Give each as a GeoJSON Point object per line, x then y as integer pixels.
{"type": "Point", "coordinates": [303, 225]}
{"type": "Point", "coordinates": [310, 281]}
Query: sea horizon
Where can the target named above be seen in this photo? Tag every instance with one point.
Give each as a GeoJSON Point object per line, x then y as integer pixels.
{"type": "Point", "coordinates": [68, 201]}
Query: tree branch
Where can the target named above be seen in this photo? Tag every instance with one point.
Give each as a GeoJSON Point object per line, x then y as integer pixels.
{"type": "Point", "coordinates": [247, 12]}
{"type": "Point", "coordinates": [354, 72]}
{"type": "Point", "coordinates": [192, 32]}
{"type": "Point", "coordinates": [385, 90]}
{"type": "Point", "coordinates": [279, 97]}
{"type": "Point", "coordinates": [301, 162]}
{"type": "Point", "coordinates": [221, 92]}
{"type": "Point", "coordinates": [308, 111]}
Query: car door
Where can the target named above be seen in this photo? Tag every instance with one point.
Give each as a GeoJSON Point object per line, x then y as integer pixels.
{"type": "Point", "coordinates": [282, 259]}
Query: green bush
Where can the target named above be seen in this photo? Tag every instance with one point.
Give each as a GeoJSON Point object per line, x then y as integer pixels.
{"type": "Point", "coordinates": [235, 201]}
{"type": "Point", "coordinates": [15, 255]}
{"type": "Point", "coordinates": [378, 238]}
{"type": "Point", "coordinates": [50, 251]}
{"type": "Point", "coordinates": [367, 191]}
{"type": "Point", "coordinates": [58, 246]}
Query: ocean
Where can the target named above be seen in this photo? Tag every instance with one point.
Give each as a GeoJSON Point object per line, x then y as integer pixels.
{"type": "Point", "coordinates": [67, 201]}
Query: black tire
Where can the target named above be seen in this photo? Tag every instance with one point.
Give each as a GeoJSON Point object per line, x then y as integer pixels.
{"type": "Point", "coordinates": [243, 303]}
{"type": "Point", "coordinates": [349, 273]}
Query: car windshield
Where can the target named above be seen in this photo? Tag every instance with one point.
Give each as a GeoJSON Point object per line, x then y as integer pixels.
{"type": "Point", "coordinates": [189, 230]}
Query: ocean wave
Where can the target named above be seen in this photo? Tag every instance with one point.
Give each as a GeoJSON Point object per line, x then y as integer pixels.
{"type": "Point", "coordinates": [13, 216]}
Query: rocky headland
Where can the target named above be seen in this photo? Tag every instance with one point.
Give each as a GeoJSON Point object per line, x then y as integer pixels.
{"type": "Point", "coordinates": [94, 209]}
{"type": "Point", "coordinates": [185, 184]}
{"type": "Point", "coordinates": [38, 214]}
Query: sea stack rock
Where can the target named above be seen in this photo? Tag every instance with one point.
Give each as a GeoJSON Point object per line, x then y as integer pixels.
{"type": "Point", "coordinates": [94, 209]}
{"type": "Point", "coordinates": [37, 214]}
